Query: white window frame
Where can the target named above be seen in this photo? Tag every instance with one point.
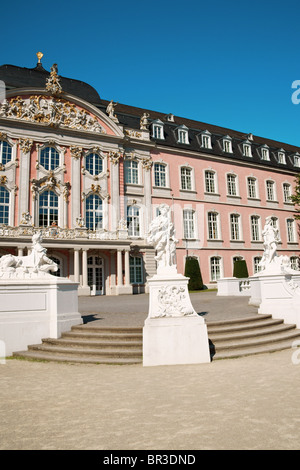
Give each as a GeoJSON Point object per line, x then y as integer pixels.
{"type": "Point", "coordinates": [56, 149]}
{"type": "Point", "coordinates": [227, 144]}
{"type": "Point", "coordinates": [205, 140]}
{"type": "Point", "coordinates": [271, 191]}
{"type": "Point", "coordinates": [294, 260]}
{"type": "Point", "coordinates": [281, 157]}
{"type": "Point", "coordinates": [133, 266]}
{"type": "Point", "coordinates": [235, 227]}
{"type": "Point", "coordinates": [189, 225]}
{"type": "Point", "coordinates": [265, 153]}
{"type": "Point", "coordinates": [209, 181]}
{"type": "Point", "coordinates": [213, 274]}
{"type": "Point", "coordinates": [7, 205]}
{"type": "Point", "coordinates": [182, 135]}
{"type": "Point", "coordinates": [161, 165]}
{"type": "Point", "coordinates": [131, 171]}
{"type": "Point", "coordinates": [158, 130]}
{"type": "Point", "coordinates": [253, 179]}
{"type": "Point", "coordinates": [48, 207]}
{"type": "Point", "coordinates": [11, 147]}
{"type": "Point", "coordinates": [257, 227]}
{"type": "Point", "coordinates": [232, 186]}
{"type": "Point", "coordinates": [286, 197]}
{"type": "Point", "coordinates": [213, 226]}
{"type": "Point", "coordinates": [134, 230]}
{"type": "Point", "coordinates": [94, 212]}
{"type": "Point", "coordinates": [290, 231]}
{"type": "Point", "coordinates": [184, 178]}
{"type": "Point", "coordinates": [93, 155]}
{"type": "Point", "coordinates": [248, 152]}
{"type": "Point", "coordinates": [256, 261]}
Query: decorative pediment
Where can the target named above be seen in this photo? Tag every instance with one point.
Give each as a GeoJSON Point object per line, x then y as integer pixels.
{"type": "Point", "coordinates": [52, 111]}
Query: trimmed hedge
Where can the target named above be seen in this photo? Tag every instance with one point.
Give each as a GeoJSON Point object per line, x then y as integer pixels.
{"type": "Point", "coordinates": [240, 269]}
{"type": "Point", "coordinates": [192, 270]}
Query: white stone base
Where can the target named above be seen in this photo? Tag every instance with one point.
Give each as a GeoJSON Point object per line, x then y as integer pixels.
{"type": "Point", "coordinates": [280, 297]}
{"type": "Point", "coordinates": [173, 332]}
{"type": "Point", "coordinates": [169, 341]}
{"type": "Point", "coordinates": [31, 311]}
{"type": "Point", "coordinates": [232, 286]}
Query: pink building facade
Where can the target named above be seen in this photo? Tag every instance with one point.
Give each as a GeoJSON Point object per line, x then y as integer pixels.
{"type": "Point", "coordinates": [90, 174]}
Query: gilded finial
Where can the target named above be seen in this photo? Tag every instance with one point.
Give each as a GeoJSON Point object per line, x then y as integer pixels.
{"type": "Point", "coordinates": [39, 56]}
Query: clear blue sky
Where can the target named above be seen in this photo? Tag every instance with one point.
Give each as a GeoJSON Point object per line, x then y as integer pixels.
{"type": "Point", "coordinates": [229, 63]}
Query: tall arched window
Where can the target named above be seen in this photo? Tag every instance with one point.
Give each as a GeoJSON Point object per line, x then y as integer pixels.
{"type": "Point", "coordinates": [215, 268]}
{"type": "Point", "coordinates": [94, 164]}
{"type": "Point", "coordinates": [5, 152]}
{"type": "Point", "coordinates": [133, 221]}
{"type": "Point", "coordinates": [48, 208]}
{"type": "Point", "coordinates": [49, 158]}
{"type": "Point", "coordinates": [94, 212]}
{"type": "Point", "coordinates": [4, 205]}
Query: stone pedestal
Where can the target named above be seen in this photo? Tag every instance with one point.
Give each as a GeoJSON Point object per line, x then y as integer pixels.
{"type": "Point", "coordinates": [280, 297]}
{"type": "Point", "coordinates": [33, 309]}
{"type": "Point", "coordinates": [173, 332]}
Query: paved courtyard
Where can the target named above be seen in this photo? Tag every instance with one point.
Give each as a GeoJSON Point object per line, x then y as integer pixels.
{"type": "Point", "coordinates": [246, 403]}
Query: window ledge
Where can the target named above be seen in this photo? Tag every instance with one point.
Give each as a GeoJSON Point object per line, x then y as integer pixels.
{"type": "Point", "coordinates": [188, 191]}
{"type": "Point", "coordinates": [211, 194]}
{"type": "Point", "coordinates": [237, 241]}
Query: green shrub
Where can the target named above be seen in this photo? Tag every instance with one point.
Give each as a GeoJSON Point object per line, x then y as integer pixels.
{"type": "Point", "coordinates": [192, 271]}
{"type": "Point", "coordinates": [240, 269]}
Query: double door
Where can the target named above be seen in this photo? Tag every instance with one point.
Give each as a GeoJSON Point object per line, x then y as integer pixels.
{"type": "Point", "coordinates": [96, 275]}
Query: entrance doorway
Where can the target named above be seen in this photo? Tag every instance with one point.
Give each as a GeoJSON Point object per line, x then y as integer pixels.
{"type": "Point", "coordinates": [96, 275]}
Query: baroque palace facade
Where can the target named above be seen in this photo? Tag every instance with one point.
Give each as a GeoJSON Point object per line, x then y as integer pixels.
{"type": "Point", "coordinates": [91, 174]}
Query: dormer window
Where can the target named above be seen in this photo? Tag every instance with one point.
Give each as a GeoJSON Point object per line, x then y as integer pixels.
{"type": "Point", "coordinates": [227, 144]}
{"type": "Point", "coordinates": [170, 117]}
{"type": "Point", "coordinates": [247, 151]}
{"type": "Point", "coordinates": [206, 140]}
{"type": "Point", "coordinates": [183, 135]}
{"type": "Point", "coordinates": [265, 152]}
{"type": "Point", "coordinates": [157, 129]}
{"type": "Point", "coordinates": [281, 156]}
{"type": "Point", "coordinates": [296, 161]}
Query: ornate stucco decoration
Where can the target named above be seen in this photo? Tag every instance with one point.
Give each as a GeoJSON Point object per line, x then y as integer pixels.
{"type": "Point", "coordinates": [132, 133]}
{"type": "Point", "coordinates": [49, 181]}
{"type": "Point", "coordinates": [53, 82]}
{"type": "Point", "coordinates": [25, 145]}
{"type": "Point", "coordinates": [115, 157]}
{"type": "Point", "coordinates": [76, 152]}
{"type": "Point", "coordinates": [37, 264]}
{"type": "Point", "coordinates": [144, 121]}
{"type": "Point", "coordinates": [147, 163]}
{"type": "Point", "coordinates": [3, 180]}
{"type": "Point", "coordinates": [52, 111]}
{"type": "Point", "coordinates": [173, 302]}
{"type": "Point", "coordinates": [26, 219]}
{"type": "Point", "coordinates": [66, 190]}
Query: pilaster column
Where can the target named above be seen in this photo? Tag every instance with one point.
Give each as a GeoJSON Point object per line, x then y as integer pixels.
{"type": "Point", "coordinates": [84, 268]}
{"type": "Point", "coordinates": [127, 271]}
{"type": "Point", "coordinates": [20, 251]}
{"type": "Point", "coordinates": [76, 265]}
{"type": "Point", "coordinates": [119, 268]}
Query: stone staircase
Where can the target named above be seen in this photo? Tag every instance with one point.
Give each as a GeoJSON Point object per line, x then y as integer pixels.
{"type": "Point", "coordinates": [228, 339]}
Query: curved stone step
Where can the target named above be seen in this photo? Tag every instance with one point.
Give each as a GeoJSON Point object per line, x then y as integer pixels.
{"type": "Point", "coordinates": [88, 343]}
{"type": "Point", "coordinates": [67, 351]}
{"type": "Point", "coordinates": [256, 332]}
{"type": "Point", "coordinates": [46, 356]}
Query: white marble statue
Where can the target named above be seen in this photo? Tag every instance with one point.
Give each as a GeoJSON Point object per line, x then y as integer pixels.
{"type": "Point", "coordinates": [271, 263]}
{"type": "Point", "coordinates": [36, 262]}
{"type": "Point", "coordinates": [162, 237]}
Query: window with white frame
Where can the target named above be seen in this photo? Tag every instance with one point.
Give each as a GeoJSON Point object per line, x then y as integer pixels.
{"type": "Point", "coordinates": [287, 192]}
{"type": "Point", "coordinates": [49, 158]}
{"type": "Point", "coordinates": [48, 208]}
{"type": "Point", "coordinates": [183, 135]}
{"type": "Point", "coordinates": [4, 205]}
{"type": "Point", "coordinates": [157, 130]}
{"type": "Point", "coordinates": [136, 270]}
{"type": "Point", "coordinates": [297, 161]}
{"type": "Point", "coordinates": [94, 164]}
{"type": "Point", "coordinates": [188, 223]}
{"type": "Point", "coordinates": [247, 150]}
{"type": "Point", "coordinates": [235, 227]}
{"type": "Point", "coordinates": [294, 262]}
{"type": "Point", "coordinates": [215, 268]}
{"type": "Point", "coordinates": [256, 264]}
{"type": "Point", "coordinates": [270, 186]}
{"type": "Point", "coordinates": [210, 182]}
{"type": "Point", "coordinates": [255, 228]}
{"type": "Point", "coordinates": [231, 185]}
{"type": "Point", "coordinates": [265, 153]}
{"type": "Point", "coordinates": [281, 157]}
{"type": "Point", "coordinates": [160, 175]}
{"type": "Point", "coordinates": [206, 140]}
{"type": "Point", "coordinates": [213, 226]}
{"type": "Point", "coordinates": [133, 221]}
{"type": "Point", "coordinates": [290, 223]}
{"type": "Point", "coordinates": [186, 178]}
{"type": "Point", "coordinates": [252, 191]}
{"type": "Point", "coordinates": [227, 145]}
{"type": "Point", "coordinates": [5, 152]}
{"type": "Point", "coordinates": [131, 172]}
{"type": "Point", "coordinates": [94, 212]}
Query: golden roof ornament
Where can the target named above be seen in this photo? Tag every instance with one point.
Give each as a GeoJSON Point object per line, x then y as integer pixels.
{"type": "Point", "coordinates": [39, 56]}
{"type": "Point", "coordinates": [53, 83]}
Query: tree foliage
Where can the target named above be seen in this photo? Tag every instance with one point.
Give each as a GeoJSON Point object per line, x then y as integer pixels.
{"type": "Point", "coordinates": [240, 269]}
{"type": "Point", "coordinates": [192, 271]}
